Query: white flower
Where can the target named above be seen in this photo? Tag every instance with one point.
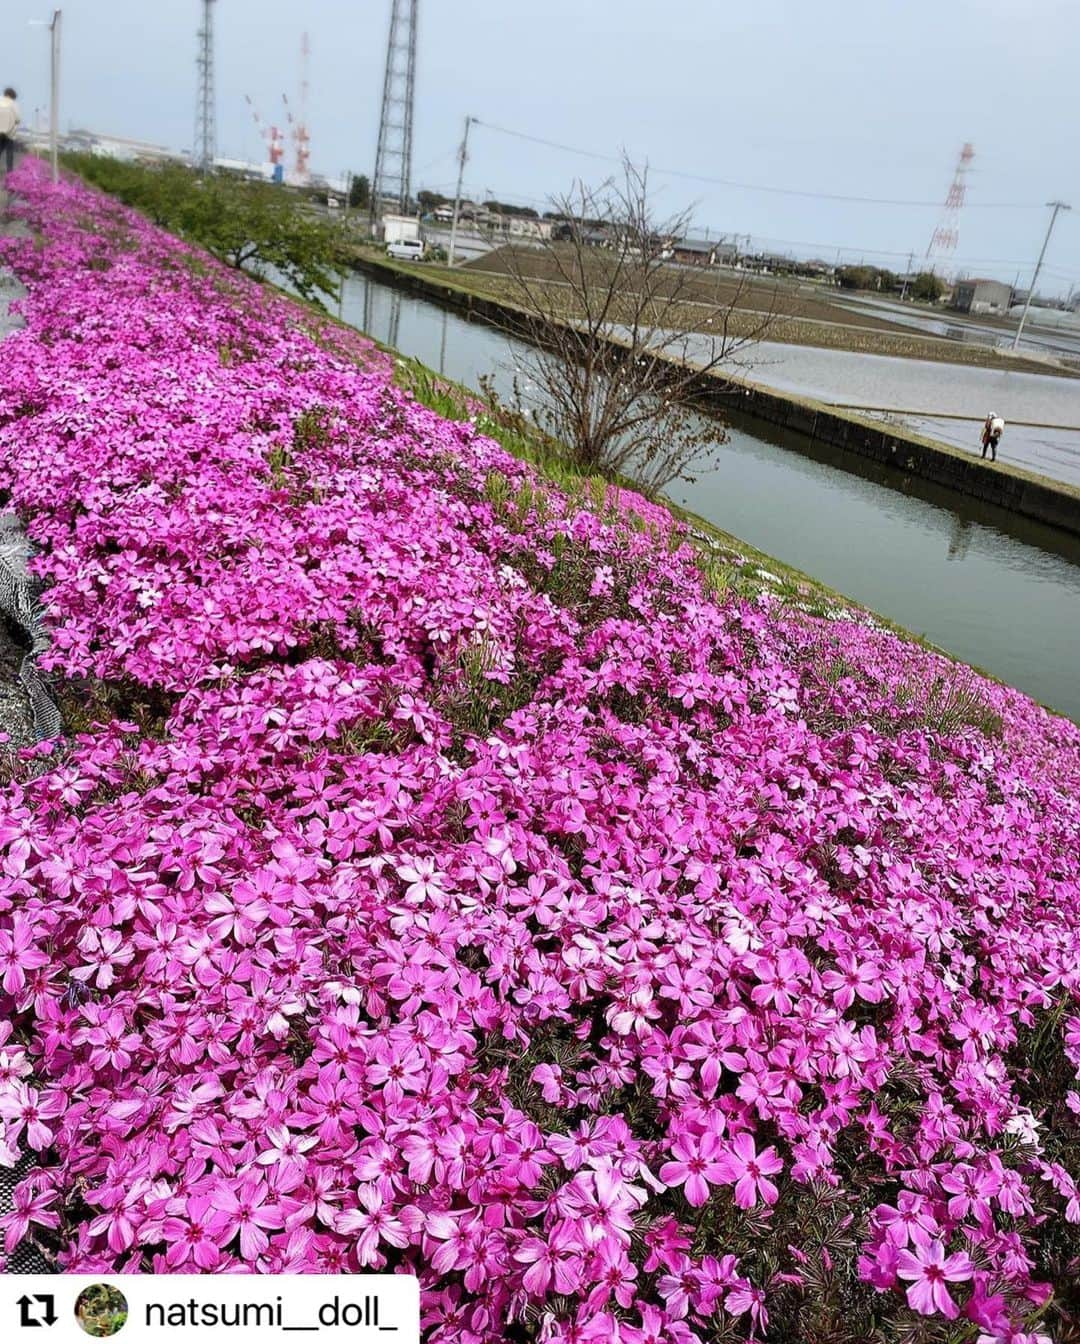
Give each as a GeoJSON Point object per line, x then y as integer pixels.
{"type": "Point", "coordinates": [1025, 1127]}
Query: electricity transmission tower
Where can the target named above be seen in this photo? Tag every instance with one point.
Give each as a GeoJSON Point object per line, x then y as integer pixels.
{"type": "Point", "coordinates": [947, 234]}
{"type": "Point", "coordinates": [205, 148]}
{"type": "Point", "coordinates": [392, 182]}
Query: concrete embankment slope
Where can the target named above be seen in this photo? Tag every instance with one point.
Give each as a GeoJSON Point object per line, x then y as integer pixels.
{"type": "Point", "coordinates": [1008, 487]}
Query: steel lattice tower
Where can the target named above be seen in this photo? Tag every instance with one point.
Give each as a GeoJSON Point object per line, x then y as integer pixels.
{"type": "Point", "coordinates": [947, 233]}
{"type": "Point", "coordinates": [392, 181]}
{"type": "Point", "coordinates": [205, 150]}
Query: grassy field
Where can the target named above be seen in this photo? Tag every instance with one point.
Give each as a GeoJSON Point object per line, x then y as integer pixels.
{"type": "Point", "coordinates": [797, 314]}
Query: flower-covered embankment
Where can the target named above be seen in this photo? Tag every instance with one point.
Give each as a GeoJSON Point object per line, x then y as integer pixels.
{"type": "Point", "coordinates": [448, 879]}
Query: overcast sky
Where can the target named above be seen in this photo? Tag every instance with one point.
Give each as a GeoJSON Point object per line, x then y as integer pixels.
{"type": "Point", "coordinates": [868, 98]}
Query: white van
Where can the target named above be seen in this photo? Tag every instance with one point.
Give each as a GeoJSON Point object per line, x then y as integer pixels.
{"type": "Point", "coordinates": [406, 249]}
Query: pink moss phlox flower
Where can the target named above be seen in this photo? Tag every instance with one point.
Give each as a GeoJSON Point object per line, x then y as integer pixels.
{"type": "Point", "coordinates": [740, 1163]}
{"type": "Point", "coordinates": [929, 1271]}
{"type": "Point", "coordinates": [911, 1220]}
{"type": "Point", "coordinates": [441, 875]}
{"type": "Point", "coordinates": [696, 1164]}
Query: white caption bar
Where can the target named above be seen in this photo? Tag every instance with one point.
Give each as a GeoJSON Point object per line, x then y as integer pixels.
{"type": "Point", "coordinates": [185, 1308]}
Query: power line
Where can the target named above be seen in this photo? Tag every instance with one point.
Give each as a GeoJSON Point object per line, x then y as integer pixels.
{"type": "Point", "coordinates": [886, 252]}
{"type": "Point", "coordinates": [755, 186]}
{"type": "Point", "coordinates": [443, 188]}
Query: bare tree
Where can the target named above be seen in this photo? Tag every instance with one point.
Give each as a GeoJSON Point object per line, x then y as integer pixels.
{"type": "Point", "coordinates": [619, 336]}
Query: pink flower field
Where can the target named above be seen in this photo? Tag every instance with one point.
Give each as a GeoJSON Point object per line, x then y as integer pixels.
{"type": "Point", "coordinates": [440, 876]}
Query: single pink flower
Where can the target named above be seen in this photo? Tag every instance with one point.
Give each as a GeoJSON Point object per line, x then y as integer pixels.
{"type": "Point", "coordinates": [929, 1270]}
{"type": "Point", "coordinates": [750, 1170]}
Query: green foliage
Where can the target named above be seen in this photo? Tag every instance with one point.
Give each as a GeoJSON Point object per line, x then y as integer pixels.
{"type": "Point", "coordinates": [952, 704]}
{"type": "Point", "coordinates": [1044, 1076]}
{"type": "Point", "coordinates": [435, 393]}
{"type": "Point", "coordinates": [359, 193]}
{"type": "Point", "coordinates": [927, 287]}
{"type": "Point", "coordinates": [517, 211]}
{"type": "Point", "coordinates": [865, 277]}
{"type": "Point", "coordinates": [255, 226]}
{"type": "Point", "coordinates": [430, 200]}
{"type": "Point", "coordinates": [101, 1310]}
{"type": "Point", "coordinates": [944, 707]}
{"type": "Point", "coordinates": [311, 429]}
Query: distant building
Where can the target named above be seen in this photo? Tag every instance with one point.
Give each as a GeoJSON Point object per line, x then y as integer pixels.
{"type": "Point", "coordinates": [982, 296]}
{"type": "Point", "coordinates": [516, 226]}
{"type": "Point", "coordinates": [108, 146]}
{"type": "Point", "coordinates": [399, 228]}
{"type": "Point", "coordinates": [693, 252]}
{"type": "Point", "coordinates": [767, 263]}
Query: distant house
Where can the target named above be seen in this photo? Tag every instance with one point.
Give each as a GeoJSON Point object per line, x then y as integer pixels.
{"type": "Point", "coordinates": [564, 230]}
{"type": "Point", "coordinates": [694, 251]}
{"type": "Point", "coordinates": [521, 226]}
{"type": "Point", "coordinates": [982, 296]}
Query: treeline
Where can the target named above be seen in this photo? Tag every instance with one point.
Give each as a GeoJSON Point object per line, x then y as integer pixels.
{"type": "Point", "coordinates": [925, 286]}
{"type": "Point", "coordinates": [432, 200]}
{"type": "Point", "coordinates": [257, 227]}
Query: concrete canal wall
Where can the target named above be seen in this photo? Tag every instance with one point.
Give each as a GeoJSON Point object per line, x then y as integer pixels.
{"type": "Point", "coordinates": [1008, 487]}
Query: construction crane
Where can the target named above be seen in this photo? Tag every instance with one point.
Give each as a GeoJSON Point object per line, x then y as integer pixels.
{"type": "Point", "coordinates": [271, 138]}
{"type": "Point", "coordinates": [299, 136]}
{"type": "Point", "coordinates": [298, 130]}
{"type": "Point", "coordinates": [303, 140]}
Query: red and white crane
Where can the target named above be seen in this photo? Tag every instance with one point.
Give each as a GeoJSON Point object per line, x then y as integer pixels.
{"type": "Point", "coordinates": [303, 139]}
{"type": "Point", "coordinates": [271, 137]}
{"type": "Point", "coordinates": [298, 130]}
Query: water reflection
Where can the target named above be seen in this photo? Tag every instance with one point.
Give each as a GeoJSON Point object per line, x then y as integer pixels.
{"type": "Point", "coordinates": [959, 537]}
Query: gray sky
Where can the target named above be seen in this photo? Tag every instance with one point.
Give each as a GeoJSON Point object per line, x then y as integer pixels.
{"type": "Point", "coordinates": [868, 98]}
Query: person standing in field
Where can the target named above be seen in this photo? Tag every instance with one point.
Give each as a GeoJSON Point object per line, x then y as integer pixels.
{"type": "Point", "coordinates": [993, 428]}
{"type": "Point", "coordinates": [9, 119]}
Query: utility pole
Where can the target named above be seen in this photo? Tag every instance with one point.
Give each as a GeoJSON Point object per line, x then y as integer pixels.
{"type": "Point", "coordinates": [463, 154]}
{"type": "Point", "coordinates": [903, 287]}
{"type": "Point", "coordinates": [1054, 207]}
{"type": "Point", "coordinates": [54, 92]}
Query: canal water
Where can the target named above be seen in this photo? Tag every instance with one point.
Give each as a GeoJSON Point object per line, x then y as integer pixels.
{"type": "Point", "coordinates": [995, 590]}
{"type": "Point", "coordinates": [1046, 331]}
{"type": "Point", "coordinates": [1041, 411]}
